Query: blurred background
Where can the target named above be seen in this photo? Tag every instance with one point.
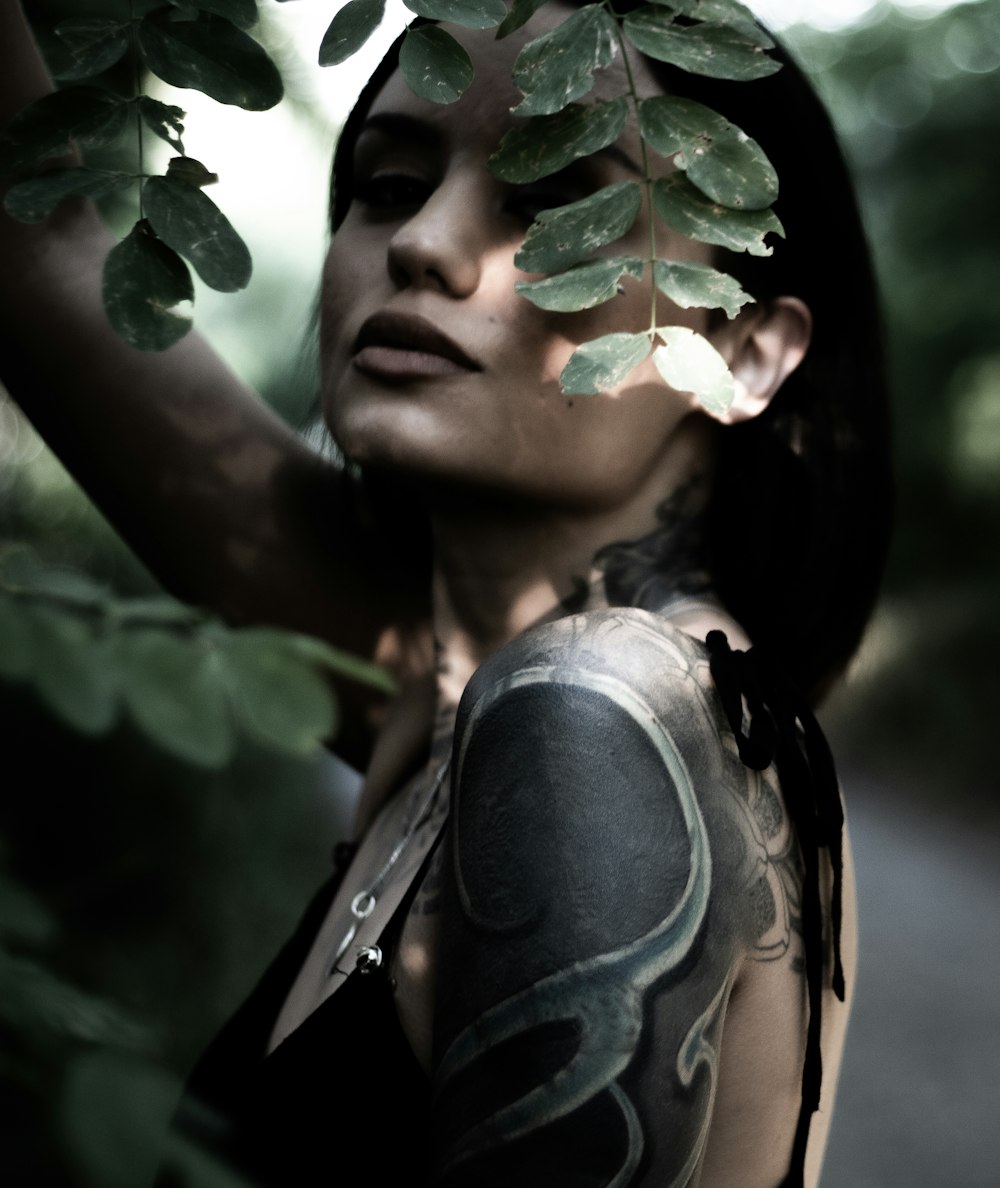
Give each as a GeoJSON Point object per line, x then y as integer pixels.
{"type": "Point", "coordinates": [140, 895]}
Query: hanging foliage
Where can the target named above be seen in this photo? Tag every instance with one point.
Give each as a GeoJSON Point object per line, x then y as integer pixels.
{"type": "Point", "coordinates": [191, 685]}
{"type": "Point", "coordinates": [720, 193]}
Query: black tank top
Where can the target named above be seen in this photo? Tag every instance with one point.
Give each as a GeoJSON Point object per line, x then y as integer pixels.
{"type": "Point", "coordinates": [341, 1100]}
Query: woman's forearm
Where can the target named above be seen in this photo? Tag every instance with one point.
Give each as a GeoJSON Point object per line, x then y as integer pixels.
{"type": "Point", "coordinates": [212, 490]}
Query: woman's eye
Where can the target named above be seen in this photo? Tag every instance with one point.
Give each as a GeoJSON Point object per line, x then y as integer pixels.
{"type": "Point", "coordinates": [526, 204]}
{"type": "Point", "coordinates": [392, 191]}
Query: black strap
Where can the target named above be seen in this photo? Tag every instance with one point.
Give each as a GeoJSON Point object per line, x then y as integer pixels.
{"type": "Point", "coordinates": [782, 730]}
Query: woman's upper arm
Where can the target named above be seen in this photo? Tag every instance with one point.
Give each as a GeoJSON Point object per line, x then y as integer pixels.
{"type": "Point", "coordinates": [591, 927]}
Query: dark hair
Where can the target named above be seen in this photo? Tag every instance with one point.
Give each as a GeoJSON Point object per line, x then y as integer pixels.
{"type": "Point", "coordinates": [799, 514]}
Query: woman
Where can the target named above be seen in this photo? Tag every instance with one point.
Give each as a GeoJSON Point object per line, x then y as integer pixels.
{"type": "Point", "coordinates": [580, 939]}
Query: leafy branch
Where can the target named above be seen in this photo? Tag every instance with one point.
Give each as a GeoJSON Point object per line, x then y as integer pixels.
{"type": "Point", "coordinates": [720, 193]}
{"type": "Point", "coordinates": [199, 44]}
{"type": "Point", "coordinates": [190, 684]}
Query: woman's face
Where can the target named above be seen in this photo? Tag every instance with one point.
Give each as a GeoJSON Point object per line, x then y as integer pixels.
{"type": "Point", "coordinates": [432, 364]}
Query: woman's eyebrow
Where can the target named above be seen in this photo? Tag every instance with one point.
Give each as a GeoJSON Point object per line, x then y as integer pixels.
{"type": "Point", "coordinates": [402, 127]}
{"type": "Point", "coordinates": [414, 131]}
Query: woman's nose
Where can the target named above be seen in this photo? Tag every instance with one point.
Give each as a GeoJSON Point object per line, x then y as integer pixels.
{"type": "Point", "coordinates": [441, 245]}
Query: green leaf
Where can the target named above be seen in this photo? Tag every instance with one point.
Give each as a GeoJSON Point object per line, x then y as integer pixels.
{"type": "Point", "coordinates": [434, 65]}
{"type": "Point", "coordinates": [16, 650]}
{"type": "Point", "coordinates": [191, 172]}
{"type": "Point", "coordinates": [187, 220]}
{"type": "Point", "coordinates": [568, 234]}
{"type": "Point", "coordinates": [210, 54]}
{"type": "Point", "coordinates": [341, 663]}
{"type": "Point", "coordinates": [689, 363]}
{"type": "Point", "coordinates": [279, 696]}
{"type": "Point", "coordinates": [521, 11]}
{"type": "Point", "coordinates": [688, 211]}
{"type": "Point", "coordinates": [164, 119]}
{"type": "Point", "coordinates": [717, 51]}
{"type": "Point", "coordinates": [546, 144]}
{"type": "Point", "coordinates": [721, 160]}
{"type": "Point", "coordinates": [724, 12]}
{"type": "Point", "coordinates": [699, 286]}
{"type": "Point", "coordinates": [242, 13]}
{"type": "Point", "coordinates": [470, 14]}
{"type": "Point", "coordinates": [144, 281]}
{"type": "Point", "coordinates": [93, 44]}
{"type": "Point", "coordinates": [602, 364]}
{"type": "Point", "coordinates": [583, 286]}
{"type": "Point", "coordinates": [558, 67]}
{"type": "Point", "coordinates": [88, 115]}
{"type": "Point", "coordinates": [34, 200]}
{"type": "Point", "coordinates": [349, 30]}
{"type": "Point", "coordinates": [175, 691]}
{"type": "Point", "coordinates": [70, 671]}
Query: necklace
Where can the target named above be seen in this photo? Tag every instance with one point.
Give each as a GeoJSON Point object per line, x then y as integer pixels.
{"type": "Point", "coordinates": [363, 904]}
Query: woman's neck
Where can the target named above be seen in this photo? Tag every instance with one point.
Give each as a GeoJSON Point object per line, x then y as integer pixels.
{"type": "Point", "coordinates": [500, 569]}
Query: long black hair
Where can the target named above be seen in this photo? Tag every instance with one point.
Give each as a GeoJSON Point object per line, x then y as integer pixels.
{"type": "Point", "coordinates": [799, 513]}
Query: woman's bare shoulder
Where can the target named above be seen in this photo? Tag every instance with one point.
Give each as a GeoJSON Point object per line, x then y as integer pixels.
{"type": "Point", "coordinates": [604, 842]}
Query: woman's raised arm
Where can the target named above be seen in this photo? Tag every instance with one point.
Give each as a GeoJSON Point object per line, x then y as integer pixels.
{"type": "Point", "coordinates": [220, 499]}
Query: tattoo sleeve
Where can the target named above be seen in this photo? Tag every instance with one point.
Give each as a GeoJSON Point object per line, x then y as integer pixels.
{"type": "Point", "coordinates": [607, 869]}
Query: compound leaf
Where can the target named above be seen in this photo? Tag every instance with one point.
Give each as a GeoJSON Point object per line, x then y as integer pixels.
{"type": "Point", "coordinates": [558, 67]}
{"type": "Point", "coordinates": [174, 690]}
{"type": "Point", "coordinates": [718, 51]}
{"type": "Point", "coordinates": [212, 55]}
{"type": "Point", "coordinates": [470, 14]}
{"type": "Point", "coordinates": [242, 13]}
{"type": "Point", "coordinates": [689, 363]}
{"type": "Point", "coordinates": [279, 697]}
{"type": "Point", "coordinates": [521, 11]}
{"type": "Point", "coordinates": [603, 363]}
{"type": "Point", "coordinates": [70, 671]}
{"type": "Point", "coordinates": [545, 144]}
{"type": "Point", "coordinates": [434, 65]}
{"type": "Point", "coordinates": [144, 282]}
{"type": "Point", "coordinates": [345, 664]}
{"type": "Point", "coordinates": [698, 286]}
{"type": "Point", "coordinates": [16, 650]}
{"type": "Point", "coordinates": [92, 45]}
{"type": "Point", "coordinates": [565, 235]}
{"type": "Point", "coordinates": [683, 207]}
{"type": "Point", "coordinates": [721, 160]}
{"type": "Point", "coordinates": [33, 200]}
{"type": "Point", "coordinates": [349, 30]}
{"type": "Point", "coordinates": [583, 286]}
{"type": "Point", "coordinates": [88, 115]}
{"type": "Point", "coordinates": [187, 220]}
{"type": "Point", "coordinates": [724, 12]}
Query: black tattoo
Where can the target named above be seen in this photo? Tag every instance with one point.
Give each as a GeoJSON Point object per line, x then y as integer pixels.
{"type": "Point", "coordinates": [578, 822]}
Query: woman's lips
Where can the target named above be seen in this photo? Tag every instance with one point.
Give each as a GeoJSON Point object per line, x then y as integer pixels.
{"type": "Point", "coordinates": [399, 363]}
{"type": "Point", "coordinates": [401, 346]}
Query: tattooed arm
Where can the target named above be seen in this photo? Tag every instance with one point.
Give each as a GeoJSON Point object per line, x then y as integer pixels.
{"type": "Point", "coordinates": [604, 889]}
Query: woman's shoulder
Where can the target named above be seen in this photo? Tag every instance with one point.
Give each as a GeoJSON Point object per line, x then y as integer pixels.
{"type": "Point", "coordinates": [652, 671]}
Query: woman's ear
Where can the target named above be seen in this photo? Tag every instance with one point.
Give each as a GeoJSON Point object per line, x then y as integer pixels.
{"type": "Point", "coordinates": [762, 346]}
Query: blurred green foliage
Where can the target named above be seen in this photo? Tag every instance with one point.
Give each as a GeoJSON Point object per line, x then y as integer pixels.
{"type": "Point", "coordinates": [141, 894]}
{"type": "Point", "coordinates": [917, 101]}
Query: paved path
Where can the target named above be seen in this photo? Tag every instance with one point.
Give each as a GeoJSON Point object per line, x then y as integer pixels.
{"type": "Point", "coordinates": [919, 1103]}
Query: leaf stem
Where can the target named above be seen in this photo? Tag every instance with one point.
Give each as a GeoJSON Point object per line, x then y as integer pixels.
{"type": "Point", "coordinates": [644, 157]}
{"type": "Point", "coordinates": [137, 87]}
